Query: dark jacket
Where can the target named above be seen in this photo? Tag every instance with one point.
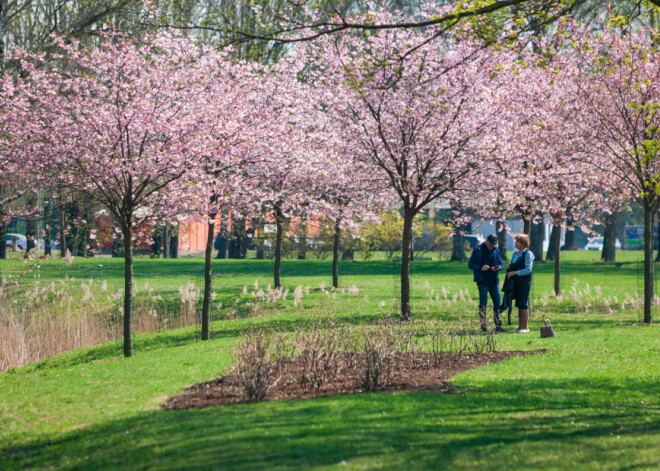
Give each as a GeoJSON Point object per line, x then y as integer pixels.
{"type": "Point", "coordinates": [482, 256]}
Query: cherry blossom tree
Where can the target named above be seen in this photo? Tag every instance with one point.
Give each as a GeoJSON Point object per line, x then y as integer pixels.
{"type": "Point", "coordinates": [417, 121]}
{"type": "Point", "coordinates": [240, 124]}
{"type": "Point", "coordinates": [542, 178]}
{"type": "Point", "coordinates": [611, 82]}
{"type": "Point", "coordinates": [120, 125]}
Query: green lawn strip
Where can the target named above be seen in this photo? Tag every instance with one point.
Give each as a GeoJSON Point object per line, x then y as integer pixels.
{"type": "Point", "coordinates": [592, 400]}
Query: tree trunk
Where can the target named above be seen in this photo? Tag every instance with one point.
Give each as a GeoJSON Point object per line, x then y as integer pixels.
{"type": "Point", "coordinates": [127, 231]}
{"type": "Point", "coordinates": [501, 238]}
{"type": "Point", "coordinates": [536, 241]}
{"type": "Point", "coordinates": [557, 255]}
{"type": "Point", "coordinates": [208, 277]}
{"type": "Point", "coordinates": [335, 253]}
{"type": "Point", "coordinates": [609, 239]}
{"type": "Point", "coordinates": [63, 240]}
{"type": "Point", "coordinates": [412, 243]}
{"type": "Point", "coordinates": [527, 226]}
{"type": "Point", "coordinates": [556, 232]}
{"type": "Point", "coordinates": [166, 240]}
{"type": "Point", "coordinates": [278, 245]}
{"type": "Point", "coordinates": [408, 216]}
{"type": "Point", "coordinates": [154, 248]}
{"type": "Point", "coordinates": [222, 247]}
{"type": "Point", "coordinates": [657, 257]}
{"type": "Point", "coordinates": [30, 234]}
{"type": "Point", "coordinates": [302, 238]}
{"type": "Point", "coordinates": [648, 263]}
{"type": "Point", "coordinates": [3, 36]}
{"type": "Point", "coordinates": [3, 240]}
{"type": "Point", "coordinates": [47, 216]}
{"type": "Point", "coordinates": [458, 249]}
{"type": "Point", "coordinates": [174, 243]}
{"type": "Point", "coordinates": [569, 241]}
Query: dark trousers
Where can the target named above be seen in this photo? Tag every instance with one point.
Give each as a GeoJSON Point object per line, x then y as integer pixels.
{"type": "Point", "coordinates": [494, 291]}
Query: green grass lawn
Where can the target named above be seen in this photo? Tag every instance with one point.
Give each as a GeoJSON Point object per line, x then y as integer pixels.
{"type": "Point", "coordinates": [591, 402]}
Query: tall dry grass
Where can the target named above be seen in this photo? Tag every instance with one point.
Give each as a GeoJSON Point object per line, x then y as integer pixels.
{"type": "Point", "coordinates": [47, 320]}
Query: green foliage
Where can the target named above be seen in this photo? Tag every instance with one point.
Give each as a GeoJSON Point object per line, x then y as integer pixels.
{"type": "Point", "coordinates": [383, 235]}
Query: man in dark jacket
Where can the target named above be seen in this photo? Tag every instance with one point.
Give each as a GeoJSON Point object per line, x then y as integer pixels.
{"type": "Point", "coordinates": [486, 262]}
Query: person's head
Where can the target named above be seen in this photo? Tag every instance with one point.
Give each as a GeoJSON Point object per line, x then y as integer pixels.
{"type": "Point", "coordinates": [492, 242]}
{"type": "Point", "coordinates": [522, 241]}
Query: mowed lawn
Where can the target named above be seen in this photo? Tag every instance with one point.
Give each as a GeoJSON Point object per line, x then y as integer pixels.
{"type": "Point", "coordinates": [591, 402]}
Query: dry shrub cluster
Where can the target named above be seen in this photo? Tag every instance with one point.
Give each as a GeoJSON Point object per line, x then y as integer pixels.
{"type": "Point", "coordinates": [49, 319]}
{"type": "Point", "coordinates": [255, 368]}
{"type": "Point", "coordinates": [325, 353]}
{"type": "Point", "coordinates": [319, 353]}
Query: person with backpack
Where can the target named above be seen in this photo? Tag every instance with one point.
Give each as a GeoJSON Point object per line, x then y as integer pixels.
{"type": "Point", "coordinates": [520, 271]}
{"type": "Point", "coordinates": [486, 262]}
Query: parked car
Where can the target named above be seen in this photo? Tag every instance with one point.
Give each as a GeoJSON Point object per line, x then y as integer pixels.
{"type": "Point", "coordinates": [597, 244]}
{"type": "Point", "coordinates": [19, 239]}
{"type": "Point", "coordinates": [473, 239]}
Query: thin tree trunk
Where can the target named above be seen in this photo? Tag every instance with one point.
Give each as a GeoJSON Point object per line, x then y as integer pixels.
{"type": "Point", "coordinates": [501, 238]}
{"type": "Point", "coordinates": [47, 216]}
{"type": "Point", "coordinates": [557, 255]}
{"type": "Point", "coordinates": [609, 239]}
{"type": "Point", "coordinates": [527, 226]}
{"type": "Point", "coordinates": [569, 242]}
{"type": "Point", "coordinates": [335, 253]}
{"type": "Point", "coordinates": [405, 264]}
{"type": "Point", "coordinates": [657, 257]}
{"type": "Point", "coordinates": [174, 242]}
{"type": "Point", "coordinates": [3, 240]}
{"type": "Point", "coordinates": [278, 245]}
{"type": "Point", "coordinates": [648, 264]}
{"type": "Point", "coordinates": [536, 241]}
{"type": "Point", "coordinates": [458, 247]}
{"type": "Point", "coordinates": [63, 241]}
{"type": "Point", "coordinates": [3, 36]}
{"type": "Point", "coordinates": [127, 230]}
{"type": "Point", "coordinates": [556, 232]}
{"type": "Point", "coordinates": [412, 243]}
{"type": "Point", "coordinates": [31, 234]}
{"type": "Point", "coordinates": [166, 240]}
{"type": "Point", "coordinates": [208, 277]}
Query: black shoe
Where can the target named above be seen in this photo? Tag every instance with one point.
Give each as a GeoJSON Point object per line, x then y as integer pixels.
{"type": "Point", "coordinates": [500, 329]}
{"type": "Point", "coordinates": [484, 328]}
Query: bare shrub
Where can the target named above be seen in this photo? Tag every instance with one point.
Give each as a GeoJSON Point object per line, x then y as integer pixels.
{"type": "Point", "coordinates": [256, 370]}
{"type": "Point", "coordinates": [319, 356]}
{"type": "Point", "coordinates": [437, 342]}
{"type": "Point", "coordinates": [378, 357]}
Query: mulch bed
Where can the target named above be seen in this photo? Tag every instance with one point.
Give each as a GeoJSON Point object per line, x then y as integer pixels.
{"type": "Point", "coordinates": [420, 373]}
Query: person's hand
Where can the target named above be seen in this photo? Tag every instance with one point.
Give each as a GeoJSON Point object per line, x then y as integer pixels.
{"type": "Point", "coordinates": [511, 274]}
{"type": "Point", "coordinates": [495, 268]}
{"type": "Point", "coordinates": [508, 266]}
{"type": "Point", "coordinates": [485, 268]}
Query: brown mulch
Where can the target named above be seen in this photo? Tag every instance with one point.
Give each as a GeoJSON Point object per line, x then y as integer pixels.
{"type": "Point", "coordinates": [420, 373]}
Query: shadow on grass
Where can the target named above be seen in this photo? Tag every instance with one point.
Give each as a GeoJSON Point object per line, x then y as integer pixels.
{"type": "Point", "coordinates": [427, 431]}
